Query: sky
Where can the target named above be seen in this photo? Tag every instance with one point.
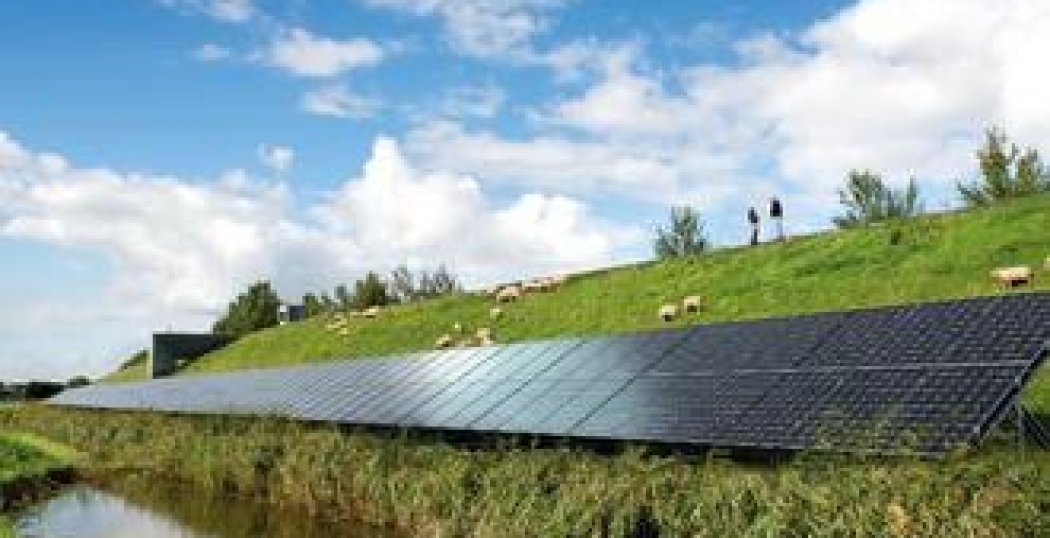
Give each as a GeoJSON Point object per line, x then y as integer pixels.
{"type": "Point", "coordinates": [157, 156]}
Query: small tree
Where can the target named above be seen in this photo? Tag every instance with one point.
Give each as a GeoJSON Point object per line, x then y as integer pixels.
{"type": "Point", "coordinates": [371, 291]}
{"type": "Point", "coordinates": [251, 311]}
{"type": "Point", "coordinates": [867, 199]}
{"type": "Point", "coordinates": [684, 235]}
{"type": "Point", "coordinates": [1006, 172]}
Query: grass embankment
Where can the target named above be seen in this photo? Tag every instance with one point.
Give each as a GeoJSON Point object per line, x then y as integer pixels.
{"type": "Point", "coordinates": [936, 257]}
{"type": "Point", "coordinates": [28, 465]}
{"type": "Point", "coordinates": [431, 489]}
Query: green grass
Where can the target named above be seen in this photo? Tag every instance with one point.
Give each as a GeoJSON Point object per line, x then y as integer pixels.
{"type": "Point", "coordinates": [432, 489]}
{"type": "Point", "coordinates": [28, 462]}
{"type": "Point", "coordinates": [940, 257]}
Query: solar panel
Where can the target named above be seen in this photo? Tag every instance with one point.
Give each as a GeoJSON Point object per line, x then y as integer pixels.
{"type": "Point", "coordinates": [922, 378]}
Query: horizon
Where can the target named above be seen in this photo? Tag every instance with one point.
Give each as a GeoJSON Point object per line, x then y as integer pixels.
{"type": "Point", "coordinates": [157, 157]}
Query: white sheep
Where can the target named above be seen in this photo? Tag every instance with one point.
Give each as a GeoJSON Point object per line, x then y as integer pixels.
{"type": "Point", "coordinates": [508, 294]}
{"type": "Point", "coordinates": [532, 286]}
{"type": "Point", "coordinates": [668, 312]}
{"type": "Point", "coordinates": [484, 333]}
{"type": "Point", "coordinates": [486, 342]}
{"type": "Point", "coordinates": [692, 303]}
{"type": "Point", "coordinates": [1013, 276]}
{"type": "Point", "coordinates": [370, 312]}
{"type": "Point", "coordinates": [495, 312]}
{"type": "Point", "coordinates": [444, 342]}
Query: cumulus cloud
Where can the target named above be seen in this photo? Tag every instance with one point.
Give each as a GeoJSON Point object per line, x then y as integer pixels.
{"type": "Point", "coordinates": [338, 102]}
{"type": "Point", "coordinates": [399, 211]}
{"type": "Point", "coordinates": [890, 85]}
{"type": "Point", "coordinates": [180, 249]}
{"type": "Point", "coordinates": [276, 158]}
{"type": "Point", "coordinates": [484, 28]}
{"type": "Point", "coordinates": [304, 54]}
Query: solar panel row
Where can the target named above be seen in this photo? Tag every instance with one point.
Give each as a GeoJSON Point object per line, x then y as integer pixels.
{"type": "Point", "coordinates": [925, 378]}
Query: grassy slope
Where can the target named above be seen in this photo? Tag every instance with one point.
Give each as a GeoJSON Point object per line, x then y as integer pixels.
{"type": "Point", "coordinates": [28, 458]}
{"type": "Point", "coordinates": [940, 256]}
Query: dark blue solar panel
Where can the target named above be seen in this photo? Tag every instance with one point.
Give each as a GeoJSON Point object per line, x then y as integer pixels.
{"type": "Point", "coordinates": [923, 378]}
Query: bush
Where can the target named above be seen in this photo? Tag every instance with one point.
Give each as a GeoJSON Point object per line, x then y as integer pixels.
{"type": "Point", "coordinates": [1006, 172]}
{"type": "Point", "coordinates": [251, 311]}
{"type": "Point", "coordinates": [867, 199]}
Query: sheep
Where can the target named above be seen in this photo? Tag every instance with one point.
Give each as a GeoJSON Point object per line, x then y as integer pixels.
{"type": "Point", "coordinates": [508, 294]}
{"type": "Point", "coordinates": [668, 312]}
{"type": "Point", "coordinates": [1011, 277]}
{"type": "Point", "coordinates": [532, 286]}
{"type": "Point", "coordinates": [444, 342]}
{"type": "Point", "coordinates": [484, 333]}
{"type": "Point", "coordinates": [692, 304]}
{"type": "Point", "coordinates": [495, 312]}
{"type": "Point", "coordinates": [486, 342]}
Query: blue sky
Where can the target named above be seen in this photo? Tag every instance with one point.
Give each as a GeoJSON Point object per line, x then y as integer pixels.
{"type": "Point", "coordinates": [158, 155]}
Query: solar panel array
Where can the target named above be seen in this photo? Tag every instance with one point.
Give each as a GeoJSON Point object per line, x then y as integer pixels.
{"type": "Point", "coordinates": [922, 378]}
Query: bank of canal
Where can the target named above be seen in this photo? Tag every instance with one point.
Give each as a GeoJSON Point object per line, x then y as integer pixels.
{"type": "Point", "coordinates": [144, 507]}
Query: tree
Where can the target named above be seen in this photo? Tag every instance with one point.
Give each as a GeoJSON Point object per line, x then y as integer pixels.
{"type": "Point", "coordinates": [77, 382]}
{"type": "Point", "coordinates": [343, 297]}
{"type": "Point", "coordinates": [313, 305]}
{"type": "Point", "coordinates": [1006, 172]}
{"type": "Point", "coordinates": [406, 286]}
{"type": "Point", "coordinates": [371, 291]}
{"type": "Point", "coordinates": [251, 311]}
{"type": "Point", "coordinates": [867, 199]}
{"type": "Point", "coordinates": [684, 236]}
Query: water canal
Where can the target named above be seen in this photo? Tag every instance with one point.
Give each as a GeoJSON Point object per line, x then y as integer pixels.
{"type": "Point", "coordinates": [139, 508]}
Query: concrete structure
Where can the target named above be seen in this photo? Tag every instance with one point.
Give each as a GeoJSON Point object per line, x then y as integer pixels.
{"type": "Point", "coordinates": [171, 351]}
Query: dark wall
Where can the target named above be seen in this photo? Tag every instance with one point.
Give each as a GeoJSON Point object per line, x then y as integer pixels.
{"type": "Point", "coordinates": [173, 350]}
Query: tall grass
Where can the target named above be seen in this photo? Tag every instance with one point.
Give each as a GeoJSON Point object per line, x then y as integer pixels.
{"type": "Point", "coordinates": [433, 489]}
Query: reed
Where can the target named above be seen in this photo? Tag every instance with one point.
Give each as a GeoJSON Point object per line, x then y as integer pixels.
{"type": "Point", "coordinates": [429, 488]}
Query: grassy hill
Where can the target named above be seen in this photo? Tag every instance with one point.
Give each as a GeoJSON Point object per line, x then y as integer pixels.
{"type": "Point", "coordinates": [935, 257]}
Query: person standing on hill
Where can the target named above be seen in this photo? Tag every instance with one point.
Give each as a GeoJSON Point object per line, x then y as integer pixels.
{"type": "Point", "coordinates": [752, 219]}
{"type": "Point", "coordinates": [776, 214]}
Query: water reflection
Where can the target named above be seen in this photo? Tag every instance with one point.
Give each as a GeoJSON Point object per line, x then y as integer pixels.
{"type": "Point", "coordinates": [139, 508]}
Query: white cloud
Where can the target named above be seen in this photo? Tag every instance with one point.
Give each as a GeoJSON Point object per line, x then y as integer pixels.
{"type": "Point", "coordinates": [886, 84]}
{"type": "Point", "coordinates": [232, 10]}
{"type": "Point", "coordinates": [484, 28]}
{"type": "Point", "coordinates": [235, 11]}
{"type": "Point", "coordinates": [400, 212]}
{"type": "Point", "coordinates": [301, 53]}
{"type": "Point", "coordinates": [180, 249]}
{"type": "Point", "coordinates": [276, 158]}
{"type": "Point", "coordinates": [337, 101]}
{"type": "Point", "coordinates": [210, 52]}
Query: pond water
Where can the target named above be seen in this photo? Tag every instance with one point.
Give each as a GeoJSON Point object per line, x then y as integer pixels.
{"type": "Point", "coordinates": [146, 510]}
